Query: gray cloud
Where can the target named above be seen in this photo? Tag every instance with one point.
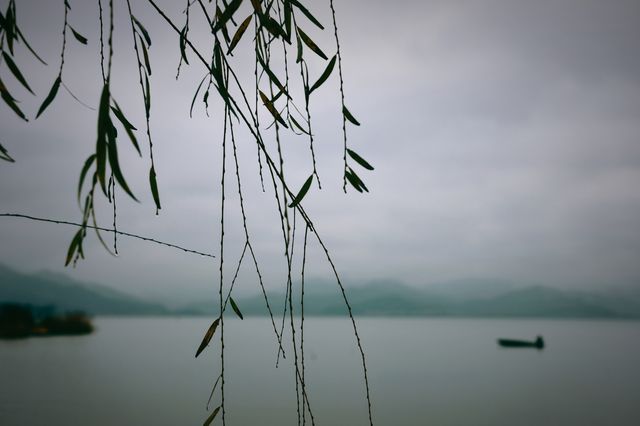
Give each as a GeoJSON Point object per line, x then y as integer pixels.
{"type": "Point", "coordinates": [505, 137]}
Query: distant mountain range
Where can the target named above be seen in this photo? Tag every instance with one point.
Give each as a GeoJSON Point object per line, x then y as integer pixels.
{"type": "Point", "coordinates": [66, 294]}
{"type": "Point", "coordinates": [468, 298]}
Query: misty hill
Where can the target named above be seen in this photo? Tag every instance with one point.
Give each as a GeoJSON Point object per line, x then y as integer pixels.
{"type": "Point", "coordinates": [463, 298]}
{"type": "Point", "coordinates": [64, 293]}
{"type": "Point", "coordinates": [454, 299]}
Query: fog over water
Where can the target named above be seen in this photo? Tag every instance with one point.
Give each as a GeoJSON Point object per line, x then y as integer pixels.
{"type": "Point", "coordinates": [505, 137]}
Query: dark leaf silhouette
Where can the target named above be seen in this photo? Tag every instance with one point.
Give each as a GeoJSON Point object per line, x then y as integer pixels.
{"type": "Point", "coordinates": [235, 308]}
{"type": "Point", "coordinates": [303, 191]}
{"type": "Point", "coordinates": [311, 44]}
{"type": "Point", "coordinates": [50, 97]}
{"type": "Point", "coordinates": [207, 336]}
{"type": "Point", "coordinates": [211, 417]}
{"type": "Point", "coordinates": [16, 71]}
{"type": "Point", "coordinates": [359, 160]}
{"type": "Point", "coordinates": [238, 35]}
{"type": "Point", "coordinates": [78, 36]}
{"type": "Point", "coordinates": [154, 187]}
{"type": "Point", "coordinates": [349, 116]}
{"type": "Point", "coordinates": [325, 75]}
{"type": "Point", "coordinates": [4, 155]}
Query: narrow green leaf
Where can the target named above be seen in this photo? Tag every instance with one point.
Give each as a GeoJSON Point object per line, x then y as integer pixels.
{"type": "Point", "coordinates": [311, 44]}
{"type": "Point", "coordinates": [145, 55]}
{"type": "Point", "coordinates": [349, 116]}
{"type": "Point", "coordinates": [115, 165]}
{"type": "Point", "coordinates": [104, 127]}
{"type": "Point", "coordinates": [272, 109]}
{"type": "Point", "coordinates": [147, 95]}
{"type": "Point", "coordinates": [154, 188]}
{"type": "Point", "coordinates": [287, 20]}
{"type": "Point", "coordinates": [50, 97]}
{"type": "Point", "coordinates": [272, 26]}
{"type": "Point", "coordinates": [15, 71]}
{"type": "Point", "coordinates": [227, 14]}
{"type": "Point", "coordinates": [128, 127]}
{"type": "Point", "coordinates": [302, 192]}
{"type": "Point", "coordinates": [120, 116]}
{"type": "Point", "coordinates": [78, 36]}
{"type": "Point", "coordinates": [142, 30]}
{"type": "Point", "coordinates": [239, 33]}
{"type": "Point", "coordinates": [299, 49]}
{"type": "Point", "coordinates": [235, 308]}
{"type": "Point", "coordinates": [257, 6]}
{"type": "Point", "coordinates": [196, 95]}
{"type": "Point", "coordinates": [207, 337]}
{"type": "Point", "coordinates": [211, 417]}
{"type": "Point", "coordinates": [183, 43]}
{"type": "Point", "coordinates": [26, 43]}
{"type": "Point", "coordinates": [225, 33]}
{"type": "Point", "coordinates": [83, 173]}
{"type": "Point", "coordinates": [296, 124]}
{"type": "Point", "coordinates": [271, 75]}
{"type": "Point", "coordinates": [11, 101]}
{"type": "Point", "coordinates": [359, 159]}
{"type": "Point", "coordinates": [306, 13]}
{"type": "Point", "coordinates": [73, 247]}
{"type": "Point", "coordinates": [4, 155]}
{"type": "Point", "coordinates": [355, 181]}
{"type": "Point", "coordinates": [325, 75]}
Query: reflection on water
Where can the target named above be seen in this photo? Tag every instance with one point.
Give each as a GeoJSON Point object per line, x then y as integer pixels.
{"type": "Point", "coordinates": [422, 371]}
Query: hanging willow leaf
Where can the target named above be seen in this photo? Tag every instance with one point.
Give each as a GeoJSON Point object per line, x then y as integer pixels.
{"type": "Point", "coordinates": [359, 159]}
{"type": "Point", "coordinates": [311, 44]}
{"type": "Point", "coordinates": [287, 20]}
{"type": "Point", "coordinates": [142, 30]}
{"type": "Point", "coordinates": [195, 95]}
{"type": "Point", "coordinates": [306, 13]}
{"type": "Point", "coordinates": [227, 14]}
{"type": "Point", "coordinates": [147, 95]}
{"type": "Point", "coordinates": [128, 127]}
{"type": "Point", "coordinates": [83, 173]}
{"type": "Point", "coordinates": [145, 55]}
{"type": "Point", "coordinates": [325, 75]}
{"type": "Point", "coordinates": [183, 43]}
{"type": "Point", "coordinates": [154, 188]}
{"type": "Point", "coordinates": [78, 36]}
{"type": "Point", "coordinates": [28, 46]}
{"type": "Point", "coordinates": [104, 126]}
{"type": "Point", "coordinates": [235, 308]}
{"type": "Point", "coordinates": [302, 192]}
{"type": "Point", "coordinates": [355, 181]}
{"type": "Point", "coordinates": [272, 109]}
{"type": "Point", "coordinates": [50, 97]}
{"type": "Point", "coordinates": [349, 116]}
{"type": "Point", "coordinates": [271, 75]}
{"type": "Point", "coordinates": [4, 155]}
{"type": "Point", "coordinates": [15, 71]}
{"type": "Point", "coordinates": [114, 163]}
{"type": "Point", "coordinates": [298, 49]}
{"type": "Point", "coordinates": [207, 336]}
{"type": "Point", "coordinates": [73, 247]}
{"type": "Point", "coordinates": [273, 27]}
{"type": "Point", "coordinates": [239, 33]}
{"type": "Point", "coordinates": [11, 101]}
{"type": "Point", "coordinates": [296, 124]}
{"type": "Point", "coordinates": [211, 417]}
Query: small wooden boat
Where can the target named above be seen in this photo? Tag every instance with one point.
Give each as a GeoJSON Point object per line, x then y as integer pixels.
{"type": "Point", "coordinates": [513, 343]}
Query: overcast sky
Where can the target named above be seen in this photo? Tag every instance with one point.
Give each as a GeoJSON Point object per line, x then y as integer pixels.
{"type": "Point", "coordinates": [505, 137]}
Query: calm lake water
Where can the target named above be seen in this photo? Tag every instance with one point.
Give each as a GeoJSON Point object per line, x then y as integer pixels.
{"type": "Point", "coordinates": [142, 371]}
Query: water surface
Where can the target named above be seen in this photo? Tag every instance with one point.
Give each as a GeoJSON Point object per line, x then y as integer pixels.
{"type": "Point", "coordinates": [423, 371]}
